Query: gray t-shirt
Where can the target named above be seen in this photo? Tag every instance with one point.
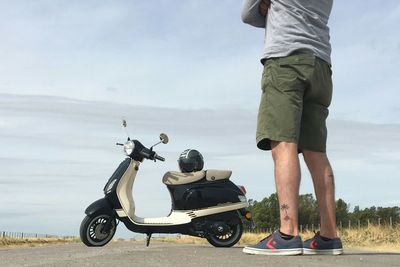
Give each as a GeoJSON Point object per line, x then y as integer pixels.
{"type": "Point", "coordinates": [292, 25]}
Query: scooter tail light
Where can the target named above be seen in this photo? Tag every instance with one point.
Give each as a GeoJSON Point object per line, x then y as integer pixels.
{"type": "Point", "coordinates": [248, 216]}
{"type": "Point", "coordinates": [243, 189]}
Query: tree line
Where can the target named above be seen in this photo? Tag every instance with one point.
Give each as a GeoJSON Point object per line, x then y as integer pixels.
{"type": "Point", "coordinates": [266, 213]}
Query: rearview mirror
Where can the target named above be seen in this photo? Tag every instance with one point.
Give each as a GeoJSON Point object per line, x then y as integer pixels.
{"type": "Point", "coordinates": [164, 138]}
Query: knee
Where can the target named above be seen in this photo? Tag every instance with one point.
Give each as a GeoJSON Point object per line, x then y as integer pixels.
{"type": "Point", "coordinates": [283, 150]}
{"type": "Point", "coordinates": [312, 156]}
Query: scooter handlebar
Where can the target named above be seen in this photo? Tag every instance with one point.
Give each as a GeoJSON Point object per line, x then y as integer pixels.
{"type": "Point", "coordinates": [159, 157]}
{"type": "Point", "coordinates": [149, 154]}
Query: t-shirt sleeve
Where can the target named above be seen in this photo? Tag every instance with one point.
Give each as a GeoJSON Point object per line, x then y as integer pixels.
{"type": "Point", "coordinates": [251, 14]}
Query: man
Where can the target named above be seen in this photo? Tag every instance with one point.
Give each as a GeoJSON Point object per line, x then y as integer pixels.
{"type": "Point", "coordinates": [296, 94]}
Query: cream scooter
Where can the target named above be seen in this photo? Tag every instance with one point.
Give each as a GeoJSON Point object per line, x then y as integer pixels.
{"type": "Point", "coordinates": [204, 203]}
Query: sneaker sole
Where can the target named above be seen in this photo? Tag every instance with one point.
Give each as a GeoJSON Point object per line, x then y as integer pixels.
{"type": "Point", "coordinates": [307, 251]}
{"type": "Point", "coordinates": [284, 252]}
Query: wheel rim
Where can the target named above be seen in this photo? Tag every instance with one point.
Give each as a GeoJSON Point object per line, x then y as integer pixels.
{"type": "Point", "coordinates": [231, 235]}
{"type": "Point", "coordinates": [95, 232]}
{"type": "Point", "coordinates": [226, 236]}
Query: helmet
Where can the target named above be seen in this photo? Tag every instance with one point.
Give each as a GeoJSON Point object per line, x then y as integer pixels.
{"type": "Point", "coordinates": [190, 160]}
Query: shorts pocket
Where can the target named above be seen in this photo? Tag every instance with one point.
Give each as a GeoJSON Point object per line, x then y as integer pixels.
{"type": "Point", "coordinates": [266, 79]}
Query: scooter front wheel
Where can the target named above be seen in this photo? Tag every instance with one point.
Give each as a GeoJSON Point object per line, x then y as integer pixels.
{"type": "Point", "coordinates": [97, 230]}
{"type": "Point", "coordinates": [228, 239]}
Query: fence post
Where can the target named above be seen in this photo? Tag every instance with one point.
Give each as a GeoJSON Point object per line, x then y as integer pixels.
{"type": "Point", "coordinates": [368, 222]}
{"type": "Point", "coordinates": [341, 225]}
{"type": "Point", "coordinates": [312, 227]}
{"type": "Point", "coordinates": [379, 222]}
{"type": "Point", "coordinates": [349, 224]}
{"type": "Point", "coordinates": [22, 235]}
{"type": "Point", "coordinates": [4, 234]}
{"type": "Point", "coordinates": [390, 222]}
{"type": "Point", "coordinates": [301, 228]}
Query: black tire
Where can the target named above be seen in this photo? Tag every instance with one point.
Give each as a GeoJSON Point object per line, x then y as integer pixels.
{"type": "Point", "coordinates": [229, 239]}
{"type": "Point", "coordinates": [91, 230]}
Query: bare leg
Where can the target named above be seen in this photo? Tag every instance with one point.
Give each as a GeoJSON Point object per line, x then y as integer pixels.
{"type": "Point", "coordinates": [322, 175]}
{"type": "Point", "coordinates": [287, 181]}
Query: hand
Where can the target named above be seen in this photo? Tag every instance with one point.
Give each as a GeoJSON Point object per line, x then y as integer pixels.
{"type": "Point", "coordinates": [264, 6]}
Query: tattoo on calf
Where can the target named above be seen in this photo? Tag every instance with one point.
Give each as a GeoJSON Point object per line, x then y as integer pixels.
{"type": "Point", "coordinates": [285, 207]}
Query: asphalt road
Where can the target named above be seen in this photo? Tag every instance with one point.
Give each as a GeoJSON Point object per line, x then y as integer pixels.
{"type": "Point", "coordinates": [133, 253]}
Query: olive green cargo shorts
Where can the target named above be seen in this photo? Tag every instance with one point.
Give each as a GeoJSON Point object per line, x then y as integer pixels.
{"type": "Point", "coordinates": [296, 94]}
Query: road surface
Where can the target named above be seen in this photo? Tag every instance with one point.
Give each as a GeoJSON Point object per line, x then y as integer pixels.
{"type": "Point", "coordinates": [134, 253]}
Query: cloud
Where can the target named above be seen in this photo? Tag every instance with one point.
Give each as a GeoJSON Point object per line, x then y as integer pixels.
{"type": "Point", "coordinates": [72, 69]}
{"type": "Point", "coordinates": [57, 153]}
{"type": "Point", "coordinates": [365, 56]}
{"type": "Point", "coordinates": [200, 56]}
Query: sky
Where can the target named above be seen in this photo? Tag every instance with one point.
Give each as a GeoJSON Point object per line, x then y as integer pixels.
{"type": "Point", "coordinates": [70, 70]}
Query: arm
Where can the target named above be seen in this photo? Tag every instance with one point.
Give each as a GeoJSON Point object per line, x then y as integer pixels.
{"type": "Point", "coordinates": [254, 12]}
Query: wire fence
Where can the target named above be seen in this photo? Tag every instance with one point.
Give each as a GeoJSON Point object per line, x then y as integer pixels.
{"type": "Point", "coordinates": [22, 235]}
{"type": "Point", "coordinates": [340, 225]}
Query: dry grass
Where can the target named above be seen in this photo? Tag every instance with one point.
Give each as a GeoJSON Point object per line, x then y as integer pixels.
{"type": "Point", "coordinates": [373, 237]}
{"type": "Point", "coordinates": [369, 238]}
{"type": "Point", "coordinates": [33, 242]}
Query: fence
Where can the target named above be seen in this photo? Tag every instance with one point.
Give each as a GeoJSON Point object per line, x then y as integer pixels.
{"type": "Point", "coordinates": [22, 235]}
{"type": "Point", "coordinates": [340, 225]}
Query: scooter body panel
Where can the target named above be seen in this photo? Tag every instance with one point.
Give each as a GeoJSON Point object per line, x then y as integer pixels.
{"type": "Point", "coordinates": [157, 228]}
{"type": "Point", "coordinates": [101, 205]}
{"type": "Point", "coordinates": [203, 194]}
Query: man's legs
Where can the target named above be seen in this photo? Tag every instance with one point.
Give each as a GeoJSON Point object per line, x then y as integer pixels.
{"type": "Point", "coordinates": [287, 181]}
{"type": "Point", "coordinates": [323, 179]}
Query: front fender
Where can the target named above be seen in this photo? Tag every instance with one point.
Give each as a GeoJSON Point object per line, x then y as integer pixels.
{"type": "Point", "coordinates": [99, 206]}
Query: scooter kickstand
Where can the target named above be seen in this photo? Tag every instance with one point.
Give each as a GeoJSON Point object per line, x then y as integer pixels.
{"type": "Point", "coordinates": [148, 239]}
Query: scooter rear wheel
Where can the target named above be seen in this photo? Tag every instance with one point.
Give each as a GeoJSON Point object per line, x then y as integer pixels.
{"type": "Point", "coordinates": [230, 238]}
{"type": "Point", "coordinates": [93, 230]}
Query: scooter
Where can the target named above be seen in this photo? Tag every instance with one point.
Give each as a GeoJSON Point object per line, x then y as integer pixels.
{"type": "Point", "coordinates": [205, 204]}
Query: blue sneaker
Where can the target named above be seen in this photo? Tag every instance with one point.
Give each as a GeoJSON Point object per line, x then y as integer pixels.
{"type": "Point", "coordinates": [274, 244]}
{"type": "Point", "coordinates": [319, 246]}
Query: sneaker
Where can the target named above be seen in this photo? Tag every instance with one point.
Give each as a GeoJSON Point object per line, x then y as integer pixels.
{"type": "Point", "coordinates": [274, 244]}
{"type": "Point", "coordinates": [318, 246]}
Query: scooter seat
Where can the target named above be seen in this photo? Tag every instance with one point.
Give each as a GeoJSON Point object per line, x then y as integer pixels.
{"type": "Point", "coordinates": [214, 175]}
{"type": "Point", "coordinates": [177, 178]}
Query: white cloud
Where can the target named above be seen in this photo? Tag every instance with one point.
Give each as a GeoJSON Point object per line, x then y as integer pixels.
{"type": "Point", "coordinates": [57, 154]}
{"type": "Point", "coordinates": [196, 55]}
{"type": "Point", "coordinates": [192, 72]}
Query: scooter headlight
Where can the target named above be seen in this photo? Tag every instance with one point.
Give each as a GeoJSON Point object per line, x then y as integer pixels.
{"type": "Point", "coordinates": [129, 147]}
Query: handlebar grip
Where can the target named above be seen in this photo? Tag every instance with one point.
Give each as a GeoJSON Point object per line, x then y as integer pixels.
{"type": "Point", "coordinates": [146, 153]}
{"type": "Point", "coordinates": [159, 158]}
